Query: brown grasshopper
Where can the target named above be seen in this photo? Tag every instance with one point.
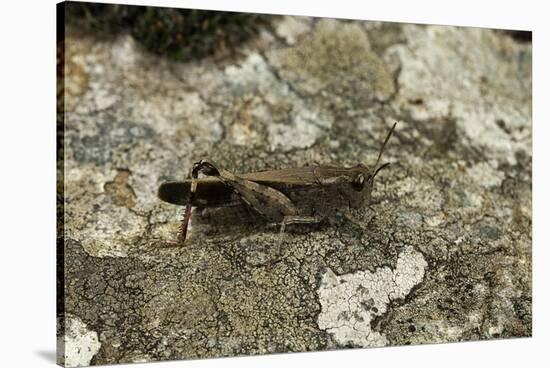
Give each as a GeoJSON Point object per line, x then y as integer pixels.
{"type": "Point", "coordinates": [277, 195]}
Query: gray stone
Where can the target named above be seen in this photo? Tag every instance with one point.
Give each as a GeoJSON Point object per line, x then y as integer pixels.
{"type": "Point", "coordinates": [442, 254]}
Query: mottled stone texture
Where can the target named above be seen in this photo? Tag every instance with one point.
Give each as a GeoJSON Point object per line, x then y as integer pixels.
{"type": "Point", "coordinates": [442, 254]}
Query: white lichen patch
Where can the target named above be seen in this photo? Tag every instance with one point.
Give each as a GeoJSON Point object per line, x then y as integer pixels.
{"type": "Point", "coordinates": [243, 134]}
{"type": "Point", "coordinates": [80, 344]}
{"type": "Point", "coordinates": [290, 123]}
{"type": "Point", "coordinates": [486, 174]}
{"type": "Point", "coordinates": [92, 218]}
{"type": "Point", "coordinates": [103, 236]}
{"type": "Point", "coordinates": [124, 52]}
{"type": "Point", "coordinates": [350, 302]}
{"type": "Point", "coordinates": [253, 72]}
{"type": "Point", "coordinates": [301, 133]}
{"type": "Point", "coordinates": [488, 94]}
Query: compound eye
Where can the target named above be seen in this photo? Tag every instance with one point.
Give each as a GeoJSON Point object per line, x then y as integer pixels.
{"type": "Point", "coordinates": [359, 182]}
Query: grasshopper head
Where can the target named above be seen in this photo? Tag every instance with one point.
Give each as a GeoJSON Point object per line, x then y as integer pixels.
{"type": "Point", "coordinates": [366, 177]}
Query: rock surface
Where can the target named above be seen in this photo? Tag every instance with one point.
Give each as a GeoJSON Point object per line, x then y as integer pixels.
{"type": "Point", "coordinates": [442, 254]}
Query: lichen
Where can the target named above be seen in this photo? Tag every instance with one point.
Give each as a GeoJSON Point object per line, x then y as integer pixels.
{"type": "Point", "coordinates": [336, 60]}
{"type": "Point", "coordinates": [350, 302]}
{"type": "Point", "coordinates": [80, 344]}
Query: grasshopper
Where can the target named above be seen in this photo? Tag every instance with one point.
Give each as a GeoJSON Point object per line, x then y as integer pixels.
{"type": "Point", "coordinates": [287, 196]}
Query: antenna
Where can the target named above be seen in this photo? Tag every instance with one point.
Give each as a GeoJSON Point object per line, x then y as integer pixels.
{"type": "Point", "coordinates": [384, 146]}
